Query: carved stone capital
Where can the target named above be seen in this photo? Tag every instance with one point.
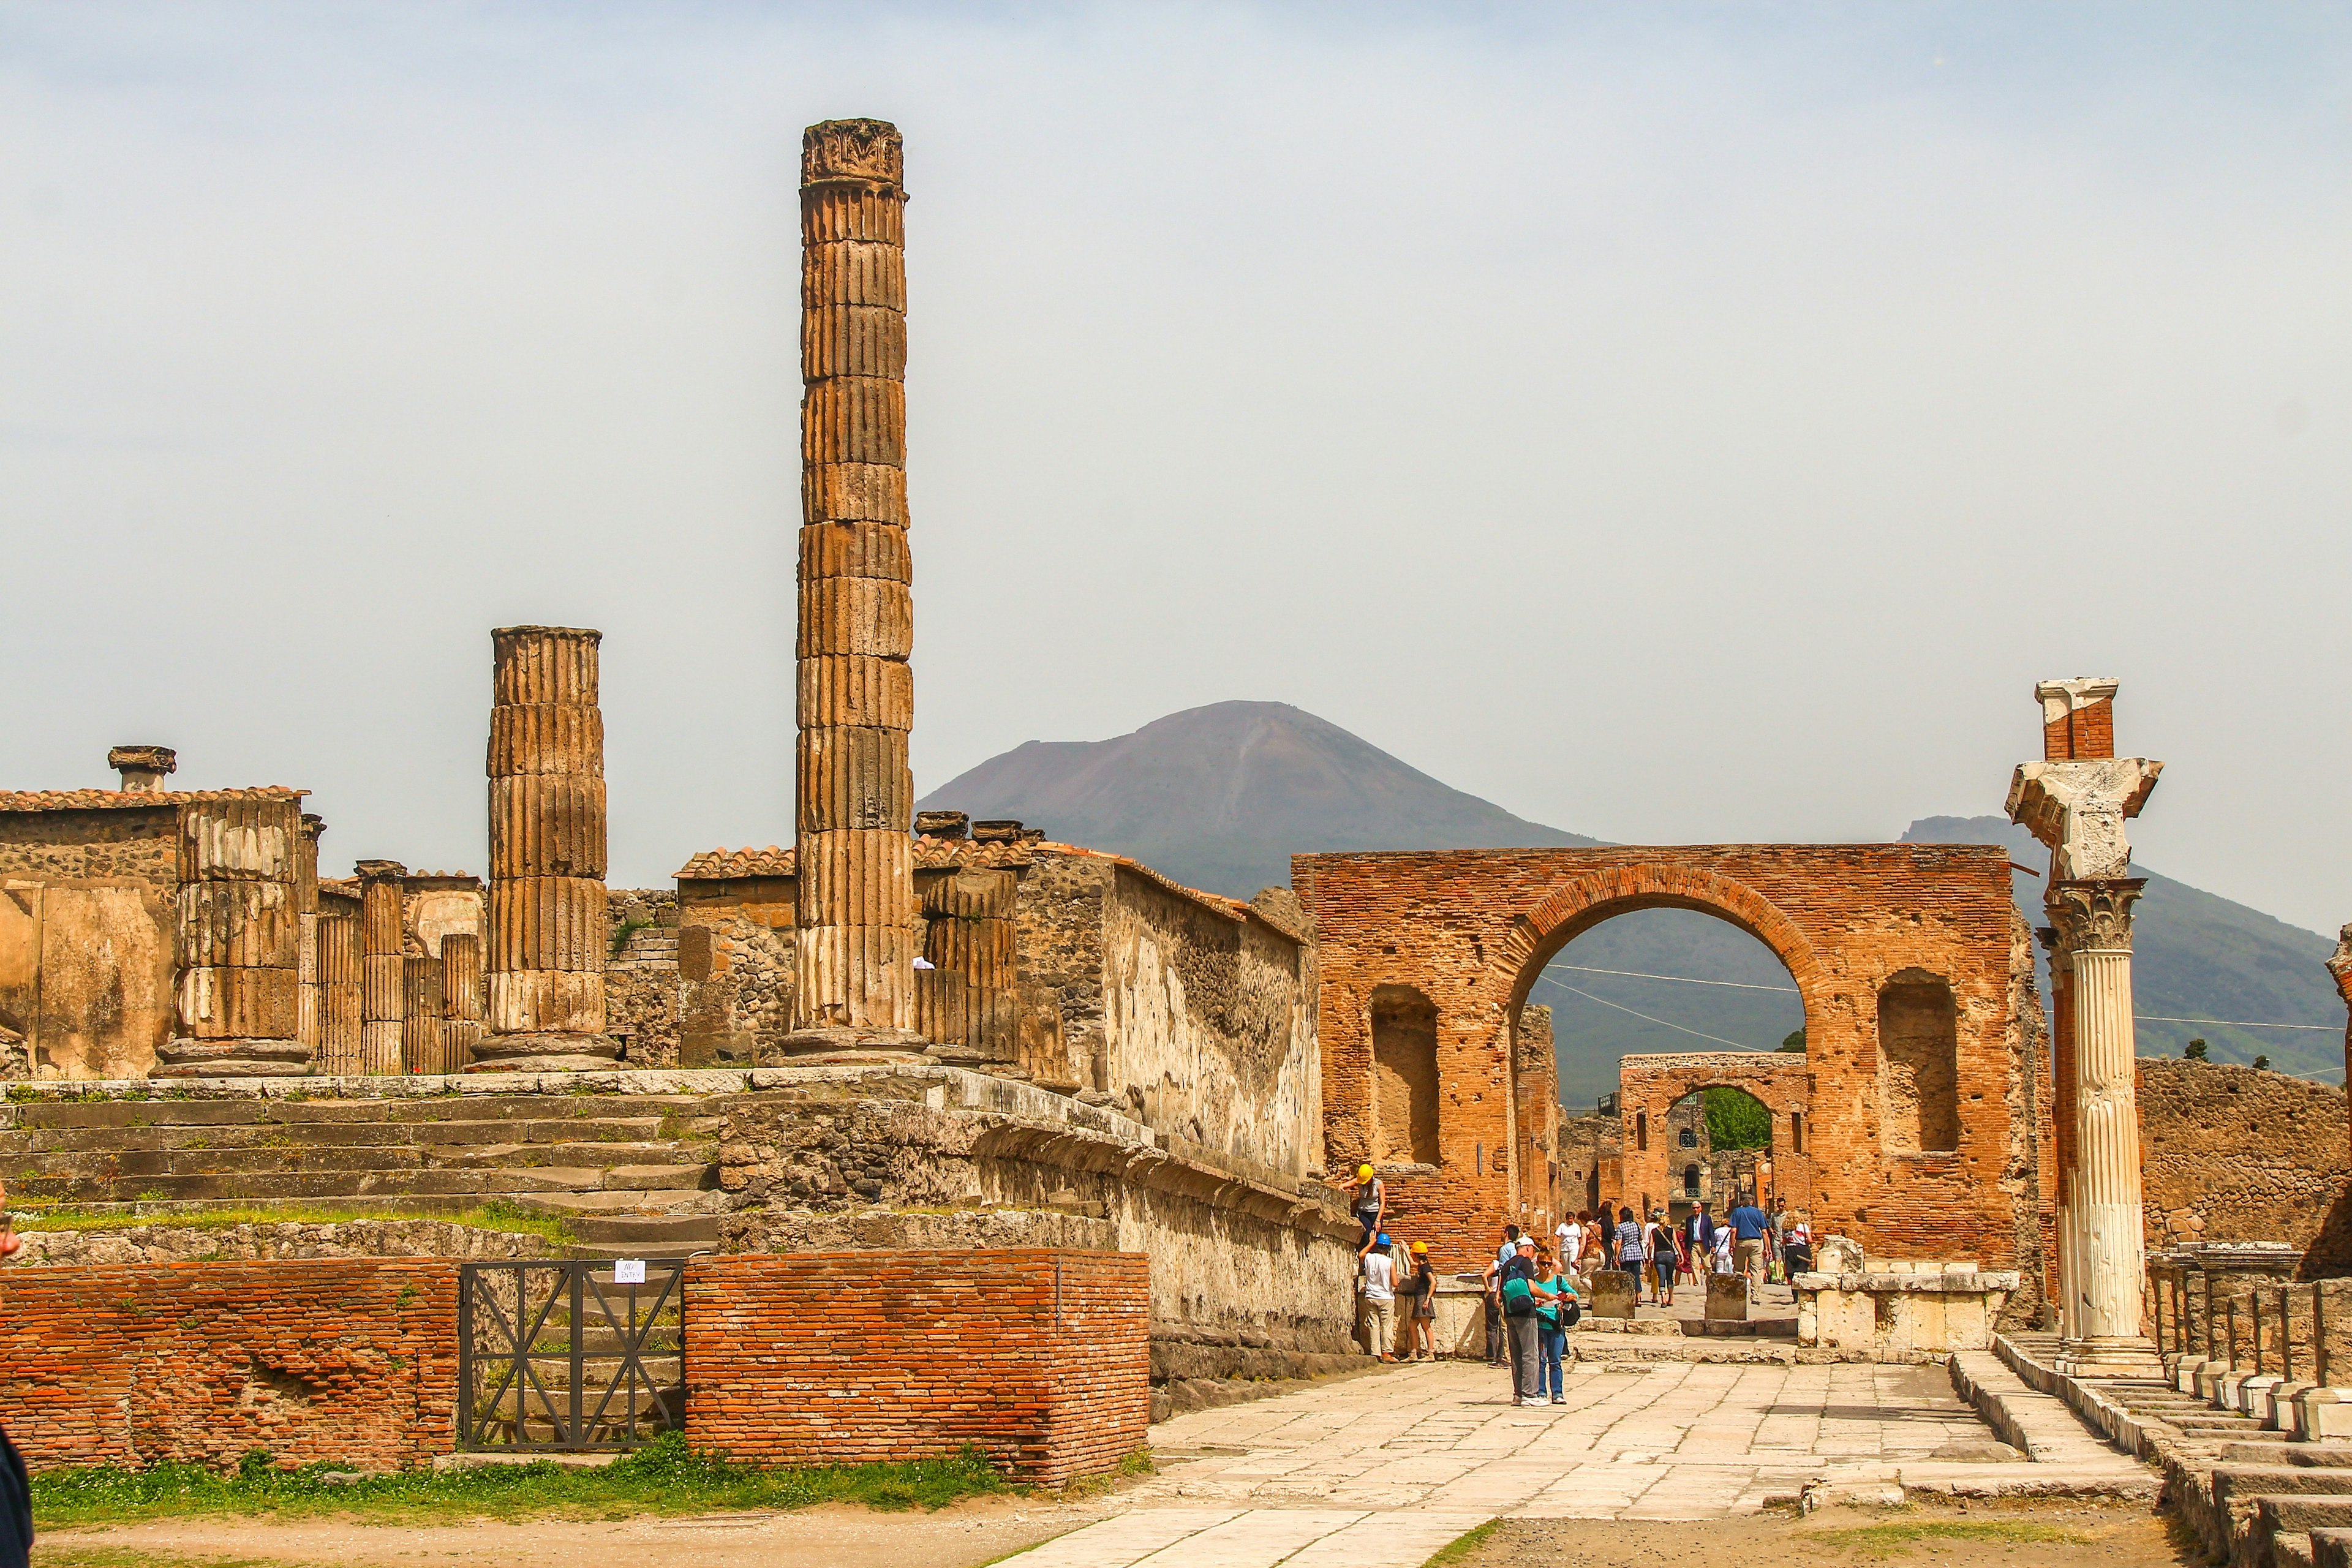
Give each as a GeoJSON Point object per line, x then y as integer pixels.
{"type": "Point", "coordinates": [852, 150]}
{"type": "Point", "coordinates": [2339, 964]}
{"type": "Point", "coordinates": [2094, 915]}
{"type": "Point", "coordinates": [2079, 810]}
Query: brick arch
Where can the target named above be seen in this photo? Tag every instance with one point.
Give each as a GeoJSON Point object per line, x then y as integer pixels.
{"type": "Point", "coordinates": [1654, 1086]}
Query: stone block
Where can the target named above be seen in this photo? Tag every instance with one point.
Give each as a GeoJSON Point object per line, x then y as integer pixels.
{"type": "Point", "coordinates": [1727, 1298]}
{"type": "Point", "coordinates": [1611, 1293]}
{"type": "Point", "coordinates": [2323, 1413]}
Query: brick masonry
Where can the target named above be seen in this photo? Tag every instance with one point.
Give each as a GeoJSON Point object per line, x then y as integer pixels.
{"type": "Point", "coordinates": [1472, 928]}
{"type": "Point", "coordinates": [1041, 1358]}
{"type": "Point", "coordinates": [353, 1360]}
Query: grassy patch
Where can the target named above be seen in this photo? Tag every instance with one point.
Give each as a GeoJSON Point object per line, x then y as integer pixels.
{"type": "Point", "coordinates": [1459, 1548]}
{"type": "Point", "coordinates": [76, 1556]}
{"type": "Point", "coordinates": [665, 1478]}
{"type": "Point", "coordinates": [498, 1217]}
{"type": "Point", "coordinates": [1894, 1539]}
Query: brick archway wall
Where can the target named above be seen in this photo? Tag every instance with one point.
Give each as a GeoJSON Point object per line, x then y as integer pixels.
{"type": "Point", "coordinates": [1471, 929]}
{"type": "Point", "coordinates": [1651, 1085]}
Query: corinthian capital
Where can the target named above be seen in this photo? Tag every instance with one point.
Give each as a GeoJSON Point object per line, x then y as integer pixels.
{"type": "Point", "coordinates": [2339, 964]}
{"type": "Point", "coordinates": [2094, 915]}
{"type": "Point", "coordinates": [2079, 810]}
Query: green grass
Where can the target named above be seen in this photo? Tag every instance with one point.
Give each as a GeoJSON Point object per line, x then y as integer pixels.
{"type": "Point", "coordinates": [1893, 1539]}
{"type": "Point", "coordinates": [76, 1556]}
{"type": "Point", "coordinates": [667, 1476]}
{"type": "Point", "coordinates": [498, 1217]}
{"type": "Point", "coordinates": [1459, 1548]}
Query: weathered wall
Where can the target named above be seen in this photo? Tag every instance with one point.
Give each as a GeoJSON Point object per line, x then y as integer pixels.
{"type": "Point", "coordinates": [735, 968]}
{"type": "Point", "coordinates": [1471, 929]}
{"type": "Point", "coordinates": [1040, 1358]}
{"type": "Point", "coordinates": [2231, 1153]}
{"type": "Point", "coordinates": [354, 1361]}
{"type": "Point", "coordinates": [642, 989]}
{"type": "Point", "coordinates": [1656, 1100]}
{"type": "Point", "coordinates": [88, 934]}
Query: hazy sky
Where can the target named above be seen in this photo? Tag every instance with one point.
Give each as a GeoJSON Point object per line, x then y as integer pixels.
{"type": "Point", "coordinates": [1673, 423]}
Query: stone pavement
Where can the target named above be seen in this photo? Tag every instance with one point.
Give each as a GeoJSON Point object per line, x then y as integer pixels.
{"type": "Point", "coordinates": [1381, 1471]}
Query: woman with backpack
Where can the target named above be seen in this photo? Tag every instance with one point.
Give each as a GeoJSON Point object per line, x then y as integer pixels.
{"type": "Point", "coordinates": [1556, 1317]}
{"type": "Point", "coordinates": [1660, 1238]}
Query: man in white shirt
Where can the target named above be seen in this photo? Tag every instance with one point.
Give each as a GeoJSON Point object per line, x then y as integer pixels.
{"type": "Point", "coordinates": [1571, 1242]}
{"type": "Point", "coordinates": [1380, 1298]}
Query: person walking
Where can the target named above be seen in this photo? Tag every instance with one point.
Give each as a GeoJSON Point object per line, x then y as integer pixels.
{"type": "Point", "coordinates": [1660, 1240]}
{"type": "Point", "coordinates": [1799, 1251]}
{"type": "Point", "coordinates": [1519, 1302]}
{"type": "Point", "coordinates": [1498, 1339]}
{"type": "Point", "coordinates": [1699, 1239]}
{"type": "Point", "coordinates": [1631, 1254]}
{"type": "Point", "coordinates": [1722, 1254]}
{"type": "Point", "coordinates": [1370, 1203]}
{"type": "Point", "coordinates": [1379, 1296]}
{"type": "Point", "coordinates": [1556, 1317]}
{"type": "Point", "coordinates": [1420, 1306]}
{"type": "Point", "coordinates": [1751, 1230]}
{"type": "Point", "coordinates": [1570, 1236]}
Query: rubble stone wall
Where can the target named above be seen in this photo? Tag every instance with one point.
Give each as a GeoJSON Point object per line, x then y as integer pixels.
{"type": "Point", "coordinates": [1472, 928]}
{"type": "Point", "coordinates": [354, 1361]}
{"type": "Point", "coordinates": [2232, 1154]}
{"type": "Point", "coordinates": [1040, 1358]}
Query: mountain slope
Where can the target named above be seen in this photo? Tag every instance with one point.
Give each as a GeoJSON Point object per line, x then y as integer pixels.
{"type": "Point", "coordinates": [1221, 798]}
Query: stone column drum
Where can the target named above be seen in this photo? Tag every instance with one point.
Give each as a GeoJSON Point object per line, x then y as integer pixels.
{"type": "Point", "coordinates": [854, 793]}
{"type": "Point", "coordinates": [2076, 800]}
{"type": "Point", "coordinates": [239, 938]}
{"type": "Point", "coordinates": [339, 996]}
{"type": "Point", "coordinates": [545, 936]}
{"type": "Point", "coordinates": [384, 987]}
{"type": "Point", "coordinates": [968, 1001]}
{"type": "Point", "coordinates": [421, 1033]}
{"type": "Point", "coordinates": [461, 1000]}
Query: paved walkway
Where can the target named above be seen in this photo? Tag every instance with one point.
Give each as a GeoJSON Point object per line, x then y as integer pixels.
{"type": "Point", "coordinates": [1381, 1471]}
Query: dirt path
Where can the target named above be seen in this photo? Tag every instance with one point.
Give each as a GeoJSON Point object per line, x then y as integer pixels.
{"type": "Point", "coordinates": [962, 1536]}
{"type": "Point", "coordinates": [2011, 1535]}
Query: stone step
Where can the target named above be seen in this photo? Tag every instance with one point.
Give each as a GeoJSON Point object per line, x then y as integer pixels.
{"type": "Point", "coordinates": [2331, 1548]}
{"type": "Point", "coordinates": [324, 1185]}
{"type": "Point", "coordinates": [641, 1160]}
{"type": "Point", "coordinates": [2280, 1516]}
{"type": "Point", "coordinates": [622, 1201]}
{"type": "Point", "coordinates": [2318, 1456]}
{"type": "Point", "coordinates": [615, 1234]}
{"type": "Point", "coordinates": [363, 1134]}
{"type": "Point", "coordinates": [47, 1114]}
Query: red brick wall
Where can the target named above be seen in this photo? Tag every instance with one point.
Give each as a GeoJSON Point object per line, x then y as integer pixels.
{"type": "Point", "coordinates": [2084, 735]}
{"type": "Point", "coordinates": [1041, 1357]}
{"type": "Point", "coordinates": [348, 1360]}
{"type": "Point", "coordinates": [1472, 928]}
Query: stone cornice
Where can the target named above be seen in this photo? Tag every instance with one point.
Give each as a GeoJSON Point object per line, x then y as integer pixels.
{"type": "Point", "coordinates": [2079, 809]}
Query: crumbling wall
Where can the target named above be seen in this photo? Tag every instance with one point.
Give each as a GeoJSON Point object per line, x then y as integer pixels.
{"type": "Point", "coordinates": [1058, 921]}
{"type": "Point", "coordinates": [642, 988]}
{"type": "Point", "coordinates": [87, 934]}
{"type": "Point", "coordinates": [2232, 1153]}
{"type": "Point", "coordinates": [735, 969]}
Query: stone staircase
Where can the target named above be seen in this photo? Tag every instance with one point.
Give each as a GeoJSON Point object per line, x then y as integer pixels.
{"type": "Point", "coordinates": [630, 1175]}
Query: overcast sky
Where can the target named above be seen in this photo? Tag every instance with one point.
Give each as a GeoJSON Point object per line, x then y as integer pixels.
{"type": "Point", "coordinates": [1674, 424]}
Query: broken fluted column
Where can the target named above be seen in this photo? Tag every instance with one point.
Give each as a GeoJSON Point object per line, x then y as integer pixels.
{"type": "Point", "coordinates": [309, 1011]}
{"type": "Point", "coordinates": [461, 994]}
{"type": "Point", "coordinates": [544, 947]}
{"type": "Point", "coordinates": [384, 986]}
{"type": "Point", "coordinates": [239, 938]}
{"type": "Point", "coordinates": [2076, 801]}
{"type": "Point", "coordinates": [341, 991]}
{"type": "Point", "coordinates": [854, 793]}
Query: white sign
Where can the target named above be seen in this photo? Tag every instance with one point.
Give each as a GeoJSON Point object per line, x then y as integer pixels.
{"type": "Point", "coordinates": [628, 1271]}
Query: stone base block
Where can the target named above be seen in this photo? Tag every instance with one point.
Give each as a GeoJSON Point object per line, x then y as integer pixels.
{"type": "Point", "coordinates": [2277, 1411]}
{"type": "Point", "coordinates": [1611, 1293]}
{"type": "Point", "coordinates": [1727, 1298]}
{"type": "Point", "coordinates": [232, 1059]}
{"type": "Point", "coordinates": [544, 1053]}
{"type": "Point", "coordinates": [2111, 1356]}
{"type": "Point", "coordinates": [2253, 1393]}
{"type": "Point", "coordinates": [832, 1044]}
{"type": "Point", "coordinates": [2323, 1413]}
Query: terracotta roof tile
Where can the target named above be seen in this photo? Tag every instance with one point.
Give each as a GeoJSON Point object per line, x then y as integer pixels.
{"type": "Point", "coordinates": [133, 800]}
{"type": "Point", "coordinates": [719, 865]}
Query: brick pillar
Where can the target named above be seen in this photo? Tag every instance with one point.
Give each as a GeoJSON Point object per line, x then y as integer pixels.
{"type": "Point", "coordinates": [239, 938]}
{"type": "Point", "coordinates": [382, 978]}
{"type": "Point", "coordinates": [305, 904]}
{"type": "Point", "coordinates": [854, 795]}
{"type": "Point", "coordinates": [545, 936]}
{"type": "Point", "coordinates": [339, 995]}
{"type": "Point", "coordinates": [421, 1022]}
{"type": "Point", "coordinates": [461, 1000]}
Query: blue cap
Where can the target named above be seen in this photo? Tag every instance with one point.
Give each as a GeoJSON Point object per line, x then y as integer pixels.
{"type": "Point", "coordinates": [1383, 1239]}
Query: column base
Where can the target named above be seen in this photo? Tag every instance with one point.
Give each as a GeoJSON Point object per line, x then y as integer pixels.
{"type": "Point", "coordinates": [548, 1052]}
{"type": "Point", "coordinates": [847, 1043]}
{"type": "Point", "coordinates": [184, 1057]}
{"type": "Point", "coordinates": [2111, 1355]}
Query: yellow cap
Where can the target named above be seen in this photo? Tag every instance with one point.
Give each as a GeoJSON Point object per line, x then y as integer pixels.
{"type": "Point", "coordinates": [1419, 1246]}
{"type": "Point", "coordinates": [1363, 1172]}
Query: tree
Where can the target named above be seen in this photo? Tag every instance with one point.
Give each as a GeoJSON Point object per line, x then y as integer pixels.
{"type": "Point", "coordinates": [1794, 1041]}
{"type": "Point", "coordinates": [2262, 1062]}
{"type": "Point", "coordinates": [1737, 1120]}
{"type": "Point", "coordinates": [2194, 1053]}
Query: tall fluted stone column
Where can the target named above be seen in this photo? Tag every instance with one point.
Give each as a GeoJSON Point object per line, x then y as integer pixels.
{"type": "Point", "coordinates": [2076, 800]}
{"type": "Point", "coordinates": [384, 985]}
{"type": "Point", "coordinates": [854, 793]}
{"type": "Point", "coordinates": [306, 903]}
{"type": "Point", "coordinates": [239, 938]}
{"type": "Point", "coordinates": [461, 995]}
{"type": "Point", "coordinates": [340, 991]}
{"type": "Point", "coordinates": [545, 934]}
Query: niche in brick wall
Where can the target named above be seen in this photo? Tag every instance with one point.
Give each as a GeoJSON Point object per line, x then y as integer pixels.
{"type": "Point", "coordinates": [1918, 1065]}
{"type": "Point", "coordinates": [1404, 1075]}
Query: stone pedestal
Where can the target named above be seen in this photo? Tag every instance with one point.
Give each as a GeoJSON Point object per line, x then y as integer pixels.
{"type": "Point", "coordinates": [1727, 1298]}
{"type": "Point", "coordinates": [1611, 1293]}
{"type": "Point", "coordinates": [239, 996]}
{"type": "Point", "coordinates": [854, 795]}
{"type": "Point", "coordinates": [546, 930]}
